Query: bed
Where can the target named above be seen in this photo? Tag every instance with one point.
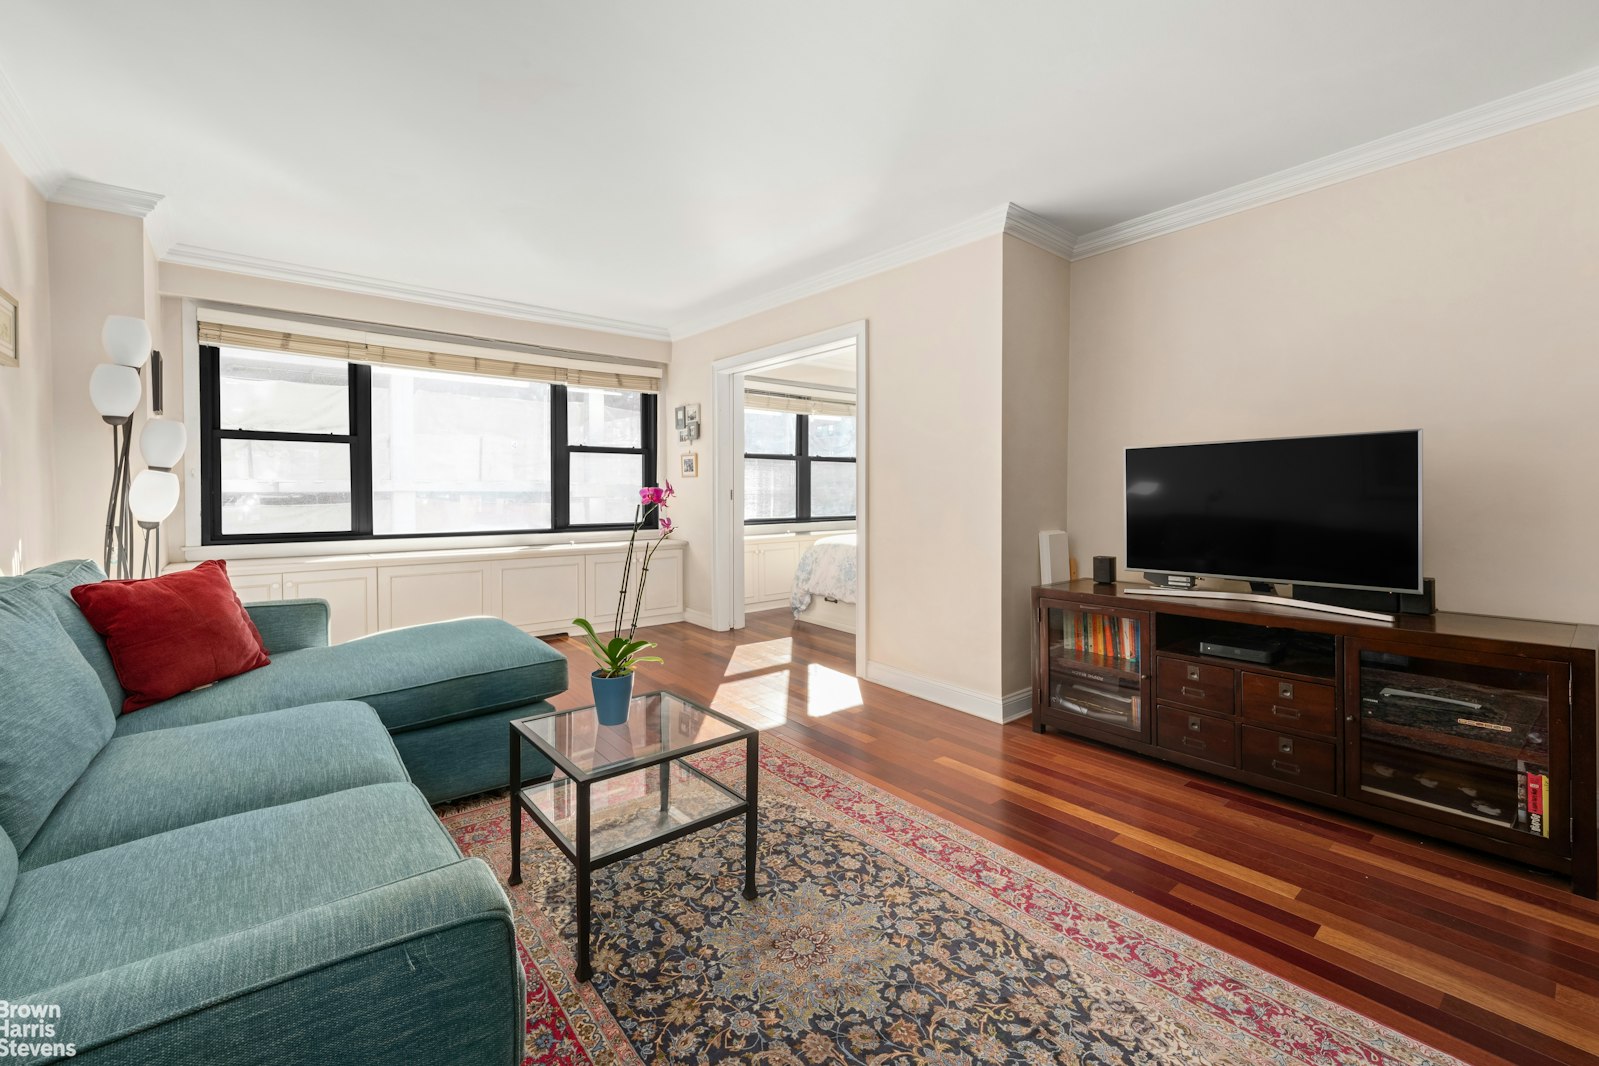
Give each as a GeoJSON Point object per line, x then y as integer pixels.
{"type": "Point", "coordinates": [825, 583]}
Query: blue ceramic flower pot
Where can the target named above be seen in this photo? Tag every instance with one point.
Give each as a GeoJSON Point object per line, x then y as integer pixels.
{"type": "Point", "coordinates": [612, 695]}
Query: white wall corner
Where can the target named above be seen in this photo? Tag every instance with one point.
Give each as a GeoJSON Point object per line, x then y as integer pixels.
{"type": "Point", "coordinates": [989, 708]}
{"type": "Point", "coordinates": [1538, 104]}
{"type": "Point", "coordinates": [20, 137]}
{"type": "Point", "coordinates": [1040, 232]}
{"type": "Point", "coordinates": [698, 618]}
{"type": "Point", "coordinates": [1018, 704]}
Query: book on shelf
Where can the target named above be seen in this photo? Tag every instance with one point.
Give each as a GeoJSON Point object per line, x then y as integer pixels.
{"type": "Point", "coordinates": [1101, 635]}
{"type": "Point", "coordinates": [1537, 824]}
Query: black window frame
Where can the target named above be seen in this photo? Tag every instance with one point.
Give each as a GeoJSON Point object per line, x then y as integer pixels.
{"type": "Point", "coordinates": [802, 476]}
{"type": "Point", "coordinates": [359, 441]}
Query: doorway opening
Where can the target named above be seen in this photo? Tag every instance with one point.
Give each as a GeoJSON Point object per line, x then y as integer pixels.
{"type": "Point", "coordinates": [790, 483]}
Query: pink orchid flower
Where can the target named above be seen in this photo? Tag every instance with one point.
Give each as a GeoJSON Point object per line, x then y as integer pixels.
{"type": "Point", "coordinates": [666, 525]}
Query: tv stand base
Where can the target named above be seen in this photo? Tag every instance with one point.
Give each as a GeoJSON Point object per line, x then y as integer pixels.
{"type": "Point", "coordinates": [1261, 597]}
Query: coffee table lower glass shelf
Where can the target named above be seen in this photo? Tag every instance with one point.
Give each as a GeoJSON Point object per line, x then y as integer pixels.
{"type": "Point", "coordinates": [619, 790]}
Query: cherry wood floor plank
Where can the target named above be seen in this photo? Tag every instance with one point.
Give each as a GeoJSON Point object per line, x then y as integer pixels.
{"type": "Point", "coordinates": [1484, 960]}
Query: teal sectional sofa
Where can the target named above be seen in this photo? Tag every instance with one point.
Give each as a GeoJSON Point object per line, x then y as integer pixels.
{"type": "Point", "coordinates": [252, 872]}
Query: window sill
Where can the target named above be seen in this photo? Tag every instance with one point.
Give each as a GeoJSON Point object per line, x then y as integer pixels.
{"type": "Point", "coordinates": [428, 549]}
{"type": "Point", "coordinates": [775, 529]}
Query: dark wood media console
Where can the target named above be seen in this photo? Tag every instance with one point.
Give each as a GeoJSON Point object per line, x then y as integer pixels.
{"type": "Point", "coordinates": [1477, 730]}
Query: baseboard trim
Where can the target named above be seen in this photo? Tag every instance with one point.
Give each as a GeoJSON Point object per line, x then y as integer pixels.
{"type": "Point", "coordinates": [995, 709]}
{"type": "Point", "coordinates": [698, 618]}
{"type": "Point", "coordinates": [1018, 704]}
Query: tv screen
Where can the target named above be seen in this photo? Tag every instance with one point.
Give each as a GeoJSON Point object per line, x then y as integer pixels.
{"type": "Point", "coordinates": [1343, 511]}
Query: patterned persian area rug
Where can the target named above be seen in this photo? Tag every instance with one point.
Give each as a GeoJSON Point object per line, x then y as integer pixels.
{"type": "Point", "coordinates": [882, 935]}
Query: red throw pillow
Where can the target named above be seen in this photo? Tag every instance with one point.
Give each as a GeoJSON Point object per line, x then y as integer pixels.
{"type": "Point", "coordinates": [168, 635]}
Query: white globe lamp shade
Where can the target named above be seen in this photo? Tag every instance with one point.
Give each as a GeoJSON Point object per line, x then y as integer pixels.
{"type": "Point", "coordinates": [153, 496]}
{"type": "Point", "coordinates": [114, 390]}
{"type": "Point", "coordinates": [161, 442]}
{"type": "Point", "coordinates": [126, 340]}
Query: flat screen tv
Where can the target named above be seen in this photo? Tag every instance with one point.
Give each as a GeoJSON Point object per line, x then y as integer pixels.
{"type": "Point", "coordinates": [1341, 511]}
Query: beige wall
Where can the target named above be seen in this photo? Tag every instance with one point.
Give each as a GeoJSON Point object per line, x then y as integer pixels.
{"type": "Point", "coordinates": [1457, 293]}
{"type": "Point", "coordinates": [933, 336]}
{"type": "Point", "coordinates": [1033, 420]}
{"type": "Point", "coordinates": [97, 268]}
{"type": "Point", "coordinates": [27, 440]}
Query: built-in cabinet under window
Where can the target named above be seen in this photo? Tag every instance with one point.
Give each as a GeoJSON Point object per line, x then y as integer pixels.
{"type": "Point", "coordinates": [539, 590]}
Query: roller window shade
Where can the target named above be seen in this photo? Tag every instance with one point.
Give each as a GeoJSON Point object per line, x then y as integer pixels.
{"type": "Point", "coordinates": [762, 400]}
{"type": "Point", "coordinates": [225, 334]}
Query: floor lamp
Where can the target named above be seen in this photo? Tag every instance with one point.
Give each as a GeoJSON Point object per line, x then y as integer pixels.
{"type": "Point", "coordinates": [114, 390]}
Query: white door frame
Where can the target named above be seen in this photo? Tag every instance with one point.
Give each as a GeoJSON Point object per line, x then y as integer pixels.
{"type": "Point", "coordinates": [727, 484]}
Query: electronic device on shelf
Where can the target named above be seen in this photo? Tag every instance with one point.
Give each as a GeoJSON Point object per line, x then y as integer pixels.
{"type": "Point", "coordinates": [1337, 517]}
{"type": "Point", "coordinates": [1263, 650]}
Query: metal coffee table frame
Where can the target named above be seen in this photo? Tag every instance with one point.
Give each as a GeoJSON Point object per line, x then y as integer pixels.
{"type": "Point", "coordinates": [579, 853]}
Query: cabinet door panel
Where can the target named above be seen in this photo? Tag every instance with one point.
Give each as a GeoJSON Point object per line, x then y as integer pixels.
{"type": "Point", "coordinates": [351, 594]}
{"type": "Point", "coordinates": [257, 588]}
{"type": "Point", "coordinates": [415, 595]}
{"type": "Point", "coordinates": [752, 575]}
{"type": "Point", "coordinates": [778, 563]}
{"type": "Point", "coordinates": [543, 595]}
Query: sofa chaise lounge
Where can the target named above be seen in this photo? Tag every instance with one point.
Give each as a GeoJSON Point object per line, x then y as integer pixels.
{"type": "Point", "coordinates": [251, 872]}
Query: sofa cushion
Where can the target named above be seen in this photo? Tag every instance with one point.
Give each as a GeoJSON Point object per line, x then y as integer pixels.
{"type": "Point", "coordinates": [58, 580]}
{"type": "Point", "coordinates": [172, 634]}
{"type": "Point", "coordinates": [169, 778]}
{"type": "Point", "coordinates": [162, 893]}
{"type": "Point", "coordinates": [8, 871]}
{"type": "Point", "coordinates": [412, 677]}
{"type": "Point", "coordinates": [54, 717]}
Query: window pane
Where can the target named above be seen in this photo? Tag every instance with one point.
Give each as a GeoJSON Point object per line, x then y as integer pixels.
{"type": "Point", "coordinates": [832, 490]}
{"type": "Point", "coordinates": [274, 393]}
{"type": "Point", "coordinates": [455, 453]}
{"type": "Point", "coordinates": [603, 418]}
{"type": "Point", "coordinates": [833, 436]}
{"type": "Point", "coordinates": [769, 432]}
{"type": "Point", "coordinates": [605, 488]}
{"type": "Point", "coordinates": [769, 489]}
{"type": "Point", "coordinates": [280, 486]}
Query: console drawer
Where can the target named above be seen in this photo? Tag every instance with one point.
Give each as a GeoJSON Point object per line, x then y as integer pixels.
{"type": "Point", "coordinates": [1278, 703]}
{"type": "Point", "coordinates": [1309, 764]}
{"type": "Point", "coordinates": [1200, 736]}
{"type": "Point", "coordinates": [1196, 685]}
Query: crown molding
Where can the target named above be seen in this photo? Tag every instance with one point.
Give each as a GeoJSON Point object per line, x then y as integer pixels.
{"type": "Point", "coordinates": [20, 137]}
{"type": "Point", "coordinates": [1007, 218]}
{"type": "Point", "coordinates": [81, 192]}
{"type": "Point", "coordinates": [276, 270]}
{"type": "Point", "coordinates": [1040, 232]}
{"type": "Point", "coordinates": [984, 225]}
{"type": "Point", "coordinates": [1538, 104]}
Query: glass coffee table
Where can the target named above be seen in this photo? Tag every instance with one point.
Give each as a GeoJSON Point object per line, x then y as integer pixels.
{"type": "Point", "coordinates": [618, 790]}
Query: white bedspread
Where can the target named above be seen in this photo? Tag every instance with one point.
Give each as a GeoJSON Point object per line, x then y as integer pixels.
{"type": "Point", "coordinates": [827, 569]}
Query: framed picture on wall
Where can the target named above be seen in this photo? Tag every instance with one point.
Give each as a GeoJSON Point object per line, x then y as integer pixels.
{"type": "Point", "coordinates": [690, 464]}
{"type": "Point", "coordinates": [8, 329]}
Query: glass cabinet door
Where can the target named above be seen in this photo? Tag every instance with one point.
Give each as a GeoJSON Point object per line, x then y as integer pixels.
{"type": "Point", "coordinates": [1093, 670]}
{"type": "Point", "coordinates": [1463, 740]}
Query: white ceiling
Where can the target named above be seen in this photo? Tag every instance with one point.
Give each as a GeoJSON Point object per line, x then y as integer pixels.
{"type": "Point", "coordinates": [656, 162]}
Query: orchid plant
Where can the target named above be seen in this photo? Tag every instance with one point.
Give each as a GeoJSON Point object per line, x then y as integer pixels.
{"type": "Point", "coordinates": [622, 654]}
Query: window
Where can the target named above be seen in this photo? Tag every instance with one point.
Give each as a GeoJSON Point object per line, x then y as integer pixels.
{"type": "Point", "coordinates": [797, 467]}
{"type": "Point", "coordinates": [303, 448]}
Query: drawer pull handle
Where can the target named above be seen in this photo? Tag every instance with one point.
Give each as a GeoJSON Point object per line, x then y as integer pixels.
{"type": "Point", "coordinates": [1194, 724]}
{"type": "Point", "coordinates": [1285, 712]}
{"type": "Point", "coordinates": [1285, 691]}
{"type": "Point", "coordinates": [1285, 746]}
{"type": "Point", "coordinates": [1193, 673]}
{"type": "Point", "coordinates": [1196, 693]}
{"type": "Point", "coordinates": [1284, 767]}
{"type": "Point", "coordinates": [1192, 742]}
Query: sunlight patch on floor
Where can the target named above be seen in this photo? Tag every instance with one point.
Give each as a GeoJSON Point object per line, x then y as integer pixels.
{"type": "Point", "coordinates": [762, 655]}
{"type": "Point", "coordinates": [761, 700]}
{"type": "Point", "coordinates": [830, 691]}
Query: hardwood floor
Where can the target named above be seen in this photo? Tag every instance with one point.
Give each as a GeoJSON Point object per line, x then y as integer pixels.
{"type": "Point", "coordinates": [1483, 960]}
